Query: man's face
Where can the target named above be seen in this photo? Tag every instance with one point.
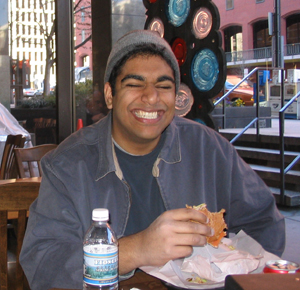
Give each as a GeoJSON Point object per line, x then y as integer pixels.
{"type": "Point", "coordinates": [143, 104]}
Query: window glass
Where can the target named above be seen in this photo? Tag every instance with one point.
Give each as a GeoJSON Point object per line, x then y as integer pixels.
{"type": "Point", "coordinates": [229, 4]}
{"type": "Point", "coordinates": [293, 29]}
{"type": "Point", "coordinates": [31, 67]}
{"type": "Point", "coordinates": [261, 34]}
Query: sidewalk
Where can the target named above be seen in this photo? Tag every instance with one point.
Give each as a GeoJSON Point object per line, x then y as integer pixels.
{"type": "Point", "coordinates": [291, 129]}
{"type": "Point", "coordinates": [292, 223]}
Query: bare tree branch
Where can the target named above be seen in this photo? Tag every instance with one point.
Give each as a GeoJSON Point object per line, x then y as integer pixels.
{"type": "Point", "coordinates": [84, 42]}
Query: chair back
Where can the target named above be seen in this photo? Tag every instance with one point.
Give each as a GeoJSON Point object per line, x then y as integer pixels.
{"type": "Point", "coordinates": [31, 158]}
{"type": "Point", "coordinates": [8, 165]}
{"type": "Point", "coordinates": [14, 196]}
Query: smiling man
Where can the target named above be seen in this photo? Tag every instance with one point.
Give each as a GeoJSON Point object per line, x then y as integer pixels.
{"type": "Point", "coordinates": [145, 165]}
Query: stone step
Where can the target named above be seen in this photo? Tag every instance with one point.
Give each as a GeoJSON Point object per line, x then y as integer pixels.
{"type": "Point", "coordinates": [273, 174]}
{"type": "Point", "coordinates": [266, 154]}
{"type": "Point", "coordinates": [291, 198]}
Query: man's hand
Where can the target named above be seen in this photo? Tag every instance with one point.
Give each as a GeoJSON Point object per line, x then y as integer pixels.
{"type": "Point", "coordinates": [172, 235]}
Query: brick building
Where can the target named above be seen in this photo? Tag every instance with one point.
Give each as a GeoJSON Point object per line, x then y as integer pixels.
{"type": "Point", "coordinates": [246, 39]}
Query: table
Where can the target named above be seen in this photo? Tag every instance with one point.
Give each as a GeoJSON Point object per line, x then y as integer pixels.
{"type": "Point", "coordinates": [140, 280]}
{"type": "Point", "coordinates": [143, 281]}
{"type": "Point", "coordinates": [14, 214]}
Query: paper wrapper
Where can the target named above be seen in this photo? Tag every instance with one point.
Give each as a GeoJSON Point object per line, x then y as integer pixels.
{"type": "Point", "coordinates": [238, 255]}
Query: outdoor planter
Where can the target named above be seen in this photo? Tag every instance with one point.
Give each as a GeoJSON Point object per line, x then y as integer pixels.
{"type": "Point", "coordinates": [239, 117]}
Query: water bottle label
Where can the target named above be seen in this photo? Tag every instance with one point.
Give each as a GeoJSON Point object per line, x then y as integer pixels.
{"type": "Point", "coordinates": [100, 264]}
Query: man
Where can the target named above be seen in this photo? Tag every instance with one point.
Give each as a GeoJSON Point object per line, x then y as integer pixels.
{"type": "Point", "coordinates": [144, 165]}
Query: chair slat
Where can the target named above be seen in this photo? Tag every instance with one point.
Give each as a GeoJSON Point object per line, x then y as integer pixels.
{"type": "Point", "coordinates": [31, 156]}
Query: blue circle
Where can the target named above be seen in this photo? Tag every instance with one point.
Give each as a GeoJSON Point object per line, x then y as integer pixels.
{"type": "Point", "coordinates": [178, 11]}
{"type": "Point", "coordinates": [205, 70]}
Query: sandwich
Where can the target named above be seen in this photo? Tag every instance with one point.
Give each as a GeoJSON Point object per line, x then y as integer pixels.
{"type": "Point", "coordinates": [216, 221]}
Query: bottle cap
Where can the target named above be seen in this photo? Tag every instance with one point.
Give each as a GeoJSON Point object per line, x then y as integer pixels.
{"type": "Point", "coordinates": [100, 214]}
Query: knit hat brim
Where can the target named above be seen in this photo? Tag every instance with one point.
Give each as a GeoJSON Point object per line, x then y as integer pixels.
{"type": "Point", "coordinates": [128, 43]}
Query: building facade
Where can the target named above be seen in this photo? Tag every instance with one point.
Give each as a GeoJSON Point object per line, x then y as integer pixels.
{"type": "Point", "coordinates": [31, 31]}
{"type": "Point", "coordinates": [83, 33]}
{"type": "Point", "coordinates": [245, 32]}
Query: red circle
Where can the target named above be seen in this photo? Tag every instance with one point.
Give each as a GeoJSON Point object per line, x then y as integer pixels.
{"type": "Point", "coordinates": [152, 1]}
{"type": "Point", "coordinates": [180, 50]}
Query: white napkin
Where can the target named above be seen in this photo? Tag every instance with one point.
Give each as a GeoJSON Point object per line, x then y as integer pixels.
{"type": "Point", "coordinates": [238, 255]}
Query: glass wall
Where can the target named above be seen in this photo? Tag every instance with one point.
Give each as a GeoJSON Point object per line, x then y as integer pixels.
{"type": "Point", "coordinates": [28, 66]}
{"type": "Point", "coordinates": [126, 15]}
{"type": "Point", "coordinates": [28, 87]}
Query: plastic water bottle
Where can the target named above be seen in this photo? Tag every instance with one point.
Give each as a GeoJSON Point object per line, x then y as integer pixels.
{"type": "Point", "coordinates": [100, 253]}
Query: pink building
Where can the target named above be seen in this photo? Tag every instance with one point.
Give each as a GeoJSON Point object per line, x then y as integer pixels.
{"type": "Point", "coordinates": [246, 39]}
{"type": "Point", "coordinates": [82, 31]}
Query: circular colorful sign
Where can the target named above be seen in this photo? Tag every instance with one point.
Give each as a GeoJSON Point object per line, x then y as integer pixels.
{"type": "Point", "coordinates": [184, 100]}
{"type": "Point", "coordinates": [178, 11]}
{"type": "Point", "coordinates": [202, 23]}
{"type": "Point", "coordinates": [205, 70]}
{"type": "Point", "coordinates": [157, 25]}
{"type": "Point", "coordinates": [180, 50]}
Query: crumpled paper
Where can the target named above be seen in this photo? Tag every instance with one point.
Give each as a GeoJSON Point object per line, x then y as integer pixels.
{"type": "Point", "coordinates": [238, 255]}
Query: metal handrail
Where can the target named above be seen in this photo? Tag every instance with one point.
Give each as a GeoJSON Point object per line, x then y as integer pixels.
{"type": "Point", "coordinates": [256, 119]}
{"type": "Point", "coordinates": [283, 170]}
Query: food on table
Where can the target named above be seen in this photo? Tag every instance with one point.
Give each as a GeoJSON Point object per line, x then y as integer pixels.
{"type": "Point", "coordinates": [216, 221]}
{"type": "Point", "coordinates": [197, 280]}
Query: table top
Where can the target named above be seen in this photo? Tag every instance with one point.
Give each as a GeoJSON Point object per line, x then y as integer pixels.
{"type": "Point", "coordinates": [140, 280]}
{"type": "Point", "coordinates": [261, 281]}
{"type": "Point", "coordinates": [29, 179]}
{"type": "Point", "coordinates": [14, 214]}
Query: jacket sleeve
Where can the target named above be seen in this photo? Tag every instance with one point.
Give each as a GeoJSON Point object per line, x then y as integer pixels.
{"type": "Point", "coordinates": [52, 254]}
{"type": "Point", "coordinates": [253, 208]}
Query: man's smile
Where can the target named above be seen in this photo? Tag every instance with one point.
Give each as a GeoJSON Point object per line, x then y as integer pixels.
{"type": "Point", "coordinates": [146, 115]}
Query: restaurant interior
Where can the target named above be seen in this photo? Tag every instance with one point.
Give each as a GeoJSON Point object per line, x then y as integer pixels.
{"type": "Point", "coordinates": [103, 35]}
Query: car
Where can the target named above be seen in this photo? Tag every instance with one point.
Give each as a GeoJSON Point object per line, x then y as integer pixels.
{"type": "Point", "coordinates": [29, 92]}
{"type": "Point", "coordinates": [244, 92]}
{"type": "Point", "coordinates": [39, 92]}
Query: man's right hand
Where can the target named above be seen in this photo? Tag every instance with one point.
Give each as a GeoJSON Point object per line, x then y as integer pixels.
{"type": "Point", "coordinates": [171, 236]}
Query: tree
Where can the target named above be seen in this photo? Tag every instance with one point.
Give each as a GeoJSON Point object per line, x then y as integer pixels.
{"type": "Point", "coordinates": [42, 26]}
{"type": "Point", "coordinates": [48, 34]}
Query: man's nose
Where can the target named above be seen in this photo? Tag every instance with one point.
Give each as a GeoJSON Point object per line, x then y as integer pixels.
{"type": "Point", "coordinates": [150, 94]}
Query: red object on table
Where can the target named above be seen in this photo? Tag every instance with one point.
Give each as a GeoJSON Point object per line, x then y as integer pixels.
{"type": "Point", "coordinates": [79, 124]}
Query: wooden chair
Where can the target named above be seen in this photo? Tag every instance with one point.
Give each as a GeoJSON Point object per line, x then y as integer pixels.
{"type": "Point", "coordinates": [8, 165]}
{"type": "Point", "coordinates": [14, 196]}
{"type": "Point", "coordinates": [32, 156]}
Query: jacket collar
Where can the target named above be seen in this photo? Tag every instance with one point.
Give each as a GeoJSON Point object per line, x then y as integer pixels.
{"type": "Point", "coordinates": [108, 162]}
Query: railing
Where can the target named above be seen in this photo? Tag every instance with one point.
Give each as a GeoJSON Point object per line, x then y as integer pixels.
{"type": "Point", "coordinates": [260, 53]}
{"type": "Point", "coordinates": [283, 170]}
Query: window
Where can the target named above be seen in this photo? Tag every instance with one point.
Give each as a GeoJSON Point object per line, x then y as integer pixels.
{"type": "Point", "coordinates": [260, 1]}
{"type": "Point", "coordinates": [293, 29]}
{"type": "Point", "coordinates": [229, 4]}
{"type": "Point", "coordinates": [83, 35]}
{"type": "Point", "coordinates": [82, 14]}
{"type": "Point", "coordinates": [261, 37]}
{"type": "Point", "coordinates": [233, 38]}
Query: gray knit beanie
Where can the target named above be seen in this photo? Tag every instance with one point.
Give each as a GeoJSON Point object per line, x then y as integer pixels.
{"type": "Point", "coordinates": [128, 42]}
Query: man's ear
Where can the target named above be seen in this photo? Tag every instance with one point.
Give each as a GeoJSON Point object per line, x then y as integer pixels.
{"type": "Point", "coordinates": [108, 95]}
